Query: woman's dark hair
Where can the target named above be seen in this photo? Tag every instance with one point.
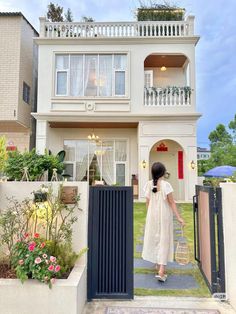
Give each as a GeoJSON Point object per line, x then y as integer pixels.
{"type": "Point", "coordinates": [158, 171]}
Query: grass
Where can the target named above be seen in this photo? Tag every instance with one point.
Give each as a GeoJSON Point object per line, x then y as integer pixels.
{"type": "Point", "coordinates": [187, 214]}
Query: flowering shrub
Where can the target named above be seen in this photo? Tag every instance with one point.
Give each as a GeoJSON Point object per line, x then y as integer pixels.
{"type": "Point", "coordinates": [31, 259]}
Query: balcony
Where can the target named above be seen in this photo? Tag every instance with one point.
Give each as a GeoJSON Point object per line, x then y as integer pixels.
{"type": "Point", "coordinates": [145, 29]}
{"type": "Point", "coordinates": [170, 96]}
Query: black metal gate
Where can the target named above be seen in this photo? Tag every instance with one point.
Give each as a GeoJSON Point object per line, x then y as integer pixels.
{"type": "Point", "coordinates": [208, 236]}
{"type": "Point", "coordinates": [110, 241]}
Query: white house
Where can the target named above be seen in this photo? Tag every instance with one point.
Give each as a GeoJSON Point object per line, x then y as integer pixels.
{"type": "Point", "coordinates": [130, 87]}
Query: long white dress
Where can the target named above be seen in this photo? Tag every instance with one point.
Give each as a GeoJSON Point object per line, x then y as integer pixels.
{"type": "Point", "coordinates": [158, 246]}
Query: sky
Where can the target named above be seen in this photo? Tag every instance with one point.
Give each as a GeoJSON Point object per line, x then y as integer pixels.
{"type": "Point", "coordinates": [215, 22]}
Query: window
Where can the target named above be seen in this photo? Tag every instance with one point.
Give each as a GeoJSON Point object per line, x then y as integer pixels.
{"type": "Point", "coordinates": [148, 78]}
{"type": "Point", "coordinates": [103, 160]}
{"type": "Point", "coordinates": [89, 75]}
{"type": "Point", "coordinates": [26, 93]}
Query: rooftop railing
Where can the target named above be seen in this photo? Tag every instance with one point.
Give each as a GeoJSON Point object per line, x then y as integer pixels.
{"type": "Point", "coordinates": [117, 29]}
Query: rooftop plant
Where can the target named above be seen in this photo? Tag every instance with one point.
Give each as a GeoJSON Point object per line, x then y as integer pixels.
{"type": "Point", "coordinates": [153, 11]}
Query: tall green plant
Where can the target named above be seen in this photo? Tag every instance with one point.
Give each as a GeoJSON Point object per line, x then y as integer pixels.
{"type": "Point", "coordinates": [3, 153]}
{"type": "Point", "coordinates": [35, 163]}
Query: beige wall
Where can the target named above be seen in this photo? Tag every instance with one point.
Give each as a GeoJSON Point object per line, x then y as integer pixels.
{"type": "Point", "coordinates": [16, 67]}
{"type": "Point", "coordinates": [20, 140]}
{"type": "Point", "coordinates": [170, 77]}
{"type": "Point", "coordinates": [9, 66]}
{"type": "Point", "coordinates": [26, 71]}
{"type": "Point", "coordinates": [229, 223]}
{"type": "Point", "coordinates": [133, 103]}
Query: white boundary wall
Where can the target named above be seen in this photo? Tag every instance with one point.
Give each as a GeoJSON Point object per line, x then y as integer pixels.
{"type": "Point", "coordinates": [67, 295]}
{"type": "Point", "coordinates": [229, 224]}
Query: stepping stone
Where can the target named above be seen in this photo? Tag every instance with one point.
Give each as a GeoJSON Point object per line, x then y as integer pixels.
{"type": "Point", "coordinates": [140, 263]}
{"type": "Point", "coordinates": [176, 282]}
{"type": "Point", "coordinates": [139, 248]}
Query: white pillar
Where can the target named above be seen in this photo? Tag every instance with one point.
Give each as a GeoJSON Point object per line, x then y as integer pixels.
{"type": "Point", "coordinates": [229, 223]}
{"type": "Point", "coordinates": [41, 136]}
{"type": "Point", "coordinates": [191, 160]}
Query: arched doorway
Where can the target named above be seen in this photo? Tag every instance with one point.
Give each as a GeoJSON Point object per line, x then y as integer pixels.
{"type": "Point", "coordinates": [171, 154]}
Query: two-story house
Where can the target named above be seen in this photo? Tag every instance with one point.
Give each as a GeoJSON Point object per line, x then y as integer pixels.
{"type": "Point", "coordinates": [118, 96]}
{"type": "Point", "coordinates": [18, 80]}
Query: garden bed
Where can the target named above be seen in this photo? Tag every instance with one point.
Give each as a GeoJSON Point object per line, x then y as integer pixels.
{"type": "Point", "coordinates": [66, 296]}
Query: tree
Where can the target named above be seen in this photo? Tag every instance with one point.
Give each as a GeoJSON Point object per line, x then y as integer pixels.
{"type": "Point", "coordinates": [55, 12]}
{"type": "Point", "coordinates": [232, 126]}
{"type": "Point", "coordinates": [68, 15]}
{"type": "Point", "coordinates": [220, 137]}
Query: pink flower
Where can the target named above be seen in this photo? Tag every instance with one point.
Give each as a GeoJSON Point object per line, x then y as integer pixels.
{"type": "Point", "coordinates": [45, 255]}
{"type": "Point", "coordinates": [53, 259]}
{"type": "Point", "coordinates": [21, 262]}
{"type": "Point", "coordinates": [51, 268]}
{"type": "Point", "coordinates": [42, 245]}
{"type": "Point", "coordinates": [37, 260]}
{"type": "Point", "coordinates": [53, 280]}
{"type": "Point", "coordinates": [26, 235]}
{"type": "Point", "coordinates": [33, 243]}
{"type": "Point", "coordinates": [31, 247]}
{"type": "Point", "coordinates": [57, 268]}
{"type": "Point", "coordinates": [36, 235]}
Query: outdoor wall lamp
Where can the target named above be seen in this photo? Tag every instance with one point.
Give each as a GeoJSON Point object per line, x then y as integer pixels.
{"type": "Point", "coordinates": [144, 163]}
{"type": "Point", "coordinates": [193, 165]}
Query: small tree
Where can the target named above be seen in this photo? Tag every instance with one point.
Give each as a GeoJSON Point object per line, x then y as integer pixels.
{"type": "Point", "coordinates": [68, 15]}
{"type": "Point", "coordinates": [54, 13]}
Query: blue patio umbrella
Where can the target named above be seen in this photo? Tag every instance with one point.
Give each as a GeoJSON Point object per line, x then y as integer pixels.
{"type": "Point", "coordinates": [220, 172]}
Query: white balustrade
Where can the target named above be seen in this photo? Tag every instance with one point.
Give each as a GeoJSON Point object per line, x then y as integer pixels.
{"type": "Point", "coordinates": [117, 29]}
{"type": "Point", "coordinates": [167, 97]}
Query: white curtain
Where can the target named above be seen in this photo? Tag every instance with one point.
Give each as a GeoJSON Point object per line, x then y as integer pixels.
{"type": "Point", "coordinates": [120, 151]}
{"type": "Point", "coordinates": [85, 153]}
{"type": "Point", "coordinates": [76, 75]}
{"type": "Point", "coordinates": [62, 62]}
{"type": "Point", "coordinates": [90, 75]}
{"type": "Point", "coordinates": [108, 163]}
{"type": "Point", "coordinates": [105, 75]}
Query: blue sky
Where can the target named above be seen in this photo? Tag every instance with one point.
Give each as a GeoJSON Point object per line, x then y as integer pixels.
{"type": "Point", "coordinates": [215, 53]}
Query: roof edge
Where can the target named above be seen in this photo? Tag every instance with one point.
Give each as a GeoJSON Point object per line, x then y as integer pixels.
{"type": "Point", "coordinates": [21, 15]}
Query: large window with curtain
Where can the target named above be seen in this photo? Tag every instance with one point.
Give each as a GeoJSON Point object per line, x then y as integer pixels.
{"type": "Point", "coordinates": [104, 160]}
{"type": "Point", "coordinates": [86, 75]}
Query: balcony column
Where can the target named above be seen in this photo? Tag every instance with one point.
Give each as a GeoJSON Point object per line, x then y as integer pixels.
{"type": "Point", "coordinates": [190, 21]}
{"type": "Point", "coordinates": [41, 136]}
{"type": "Point", "coordinates": [42, 21]}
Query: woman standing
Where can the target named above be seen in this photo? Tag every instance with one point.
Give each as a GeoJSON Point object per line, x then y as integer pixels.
{"type": "Point", "coordinates": [158, 246]}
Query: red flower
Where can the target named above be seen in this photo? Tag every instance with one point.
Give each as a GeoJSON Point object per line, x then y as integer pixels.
{"type": "Point", "coordinates": [36, 235]}
{"type": "Point", "coordinates": [31, 247]}
{"type": "Point", "coordinates": [57, 268]}
{"type": "Point", "coordinates": [51, 268]}
{"type": "Point", "coordinates": [42, 245]}
{"type": "Point", "coordinates": [26, 235]}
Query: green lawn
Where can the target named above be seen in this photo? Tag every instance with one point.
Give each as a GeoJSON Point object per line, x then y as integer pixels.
{"type": "Point", "coordinates": [187, 214]}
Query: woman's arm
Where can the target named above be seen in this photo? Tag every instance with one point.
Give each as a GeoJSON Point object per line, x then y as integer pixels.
{"type": "Point", "coordinates": [174, 208]}
{"type": "Point", "coordinates": [147, 202]}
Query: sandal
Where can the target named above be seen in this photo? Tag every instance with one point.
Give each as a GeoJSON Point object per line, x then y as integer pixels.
{"type": "Point", "coordinates": [161, 278]}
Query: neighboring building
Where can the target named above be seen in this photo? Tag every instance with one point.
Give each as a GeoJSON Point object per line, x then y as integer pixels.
{"type": "Point", "coordinates": [132, 84]}
{"type": "Point", "coordinates": [18, 83]}
{"type": "Point", "coordinates": [203, 153]}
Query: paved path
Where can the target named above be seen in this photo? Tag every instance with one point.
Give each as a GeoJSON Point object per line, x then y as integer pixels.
{"type": "Point", "coordinates": [175, 281]}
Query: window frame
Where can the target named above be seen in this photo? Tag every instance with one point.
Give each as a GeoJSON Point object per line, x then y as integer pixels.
{"type": "Point", "coordinates": [98, 54]}
{"type": "Point", "coordinates": [27, 100]}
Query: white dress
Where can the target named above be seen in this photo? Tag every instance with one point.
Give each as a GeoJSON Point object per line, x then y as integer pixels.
{"type": "Point", "coordinates": [158, 246]}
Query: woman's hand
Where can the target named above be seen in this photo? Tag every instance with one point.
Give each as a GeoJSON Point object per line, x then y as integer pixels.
{"type": "Point", "coordinates": [181, 221]}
